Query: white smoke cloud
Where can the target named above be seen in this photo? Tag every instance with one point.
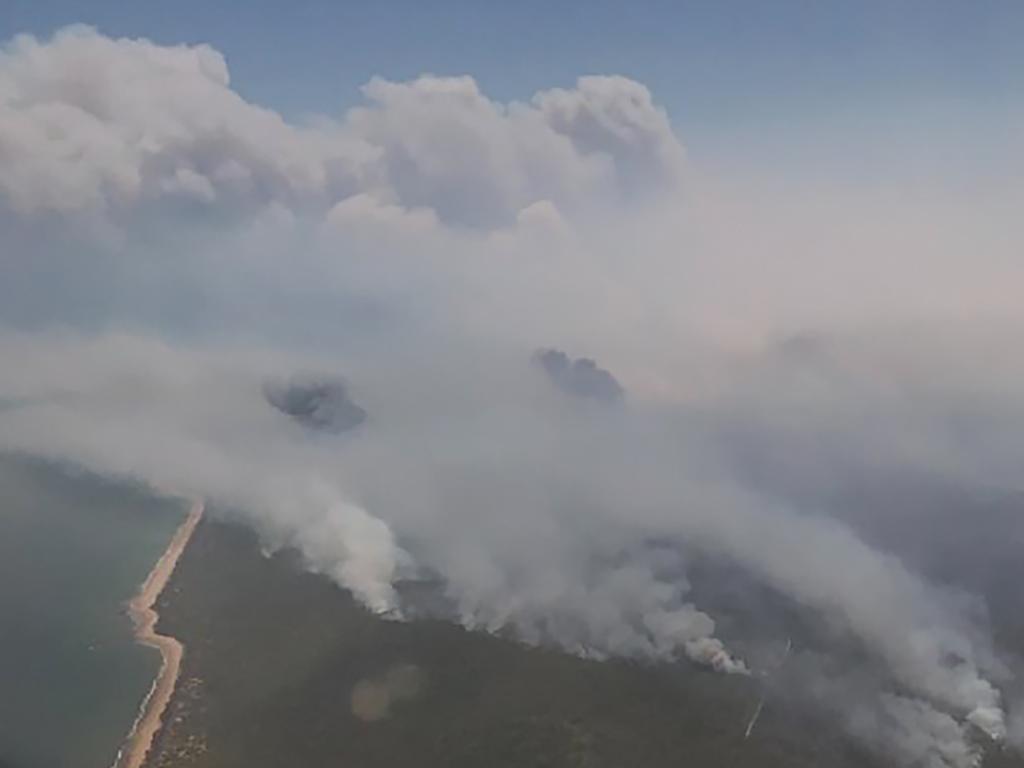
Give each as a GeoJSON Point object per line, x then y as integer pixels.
{"type": "Point", "coordinates": [916, 733]}
{"type": "Point", "coordinates": [423, 245]}
{"type": "Point", "coordinates": [93, 124]}
{"type": "Point", "coordinates": [616, 117]}
{"type": "Point", "coordinates": [1015, 732]}
{"type": "Point", "coordinates": [533, 515]}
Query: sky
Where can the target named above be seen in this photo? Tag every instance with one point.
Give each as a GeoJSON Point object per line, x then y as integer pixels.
{"type": "Point", "coordinates": [783, 240]}
{"type": "Point", "coordinates": [778, 81]}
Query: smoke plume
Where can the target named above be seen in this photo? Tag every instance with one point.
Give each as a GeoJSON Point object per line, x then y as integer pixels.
{"type": "Point", "coordinates": [174, 254]}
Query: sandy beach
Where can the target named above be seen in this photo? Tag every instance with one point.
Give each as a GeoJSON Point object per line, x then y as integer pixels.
{"type": "Point", "coordinates": [144, 618]}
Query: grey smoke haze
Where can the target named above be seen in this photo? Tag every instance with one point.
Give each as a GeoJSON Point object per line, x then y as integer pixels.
{"type": "Point", "coordinates": [173, 248]}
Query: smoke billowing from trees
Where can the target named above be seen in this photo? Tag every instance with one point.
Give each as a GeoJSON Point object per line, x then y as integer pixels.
{"type": "Point", "coordinates": [175, 252]}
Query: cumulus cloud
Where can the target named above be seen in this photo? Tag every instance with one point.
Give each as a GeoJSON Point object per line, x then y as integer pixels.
{"type": "Point", "coordinates": [424, 244]}
{"type": "Point", "coordinates": [98, 125]}
{"type": "Point", "coordinates": [616, 117]}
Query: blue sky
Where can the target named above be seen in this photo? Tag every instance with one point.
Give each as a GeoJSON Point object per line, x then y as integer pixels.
{"type": "Point", "coordinates": [910, 81]}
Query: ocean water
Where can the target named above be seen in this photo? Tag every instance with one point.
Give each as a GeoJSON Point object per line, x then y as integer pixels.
{"type": "Point", "coordinates": [73, 549]}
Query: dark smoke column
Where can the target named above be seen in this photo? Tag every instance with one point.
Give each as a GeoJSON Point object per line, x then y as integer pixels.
{"type": "Point", "coordinates": [581, 377]}
{"type": "Point", "coordinates": [317, 402]}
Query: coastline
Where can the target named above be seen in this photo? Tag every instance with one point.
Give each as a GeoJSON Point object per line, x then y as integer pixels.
{"type": "Point", "coordinates": [142, 611]}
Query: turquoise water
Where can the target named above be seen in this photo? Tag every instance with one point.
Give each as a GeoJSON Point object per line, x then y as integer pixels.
{"type": "Point", "coordinates": [73, 549]}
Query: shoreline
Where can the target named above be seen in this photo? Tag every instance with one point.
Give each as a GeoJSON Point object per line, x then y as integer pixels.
{"type": "Point", "coordinates": [142, 611]}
